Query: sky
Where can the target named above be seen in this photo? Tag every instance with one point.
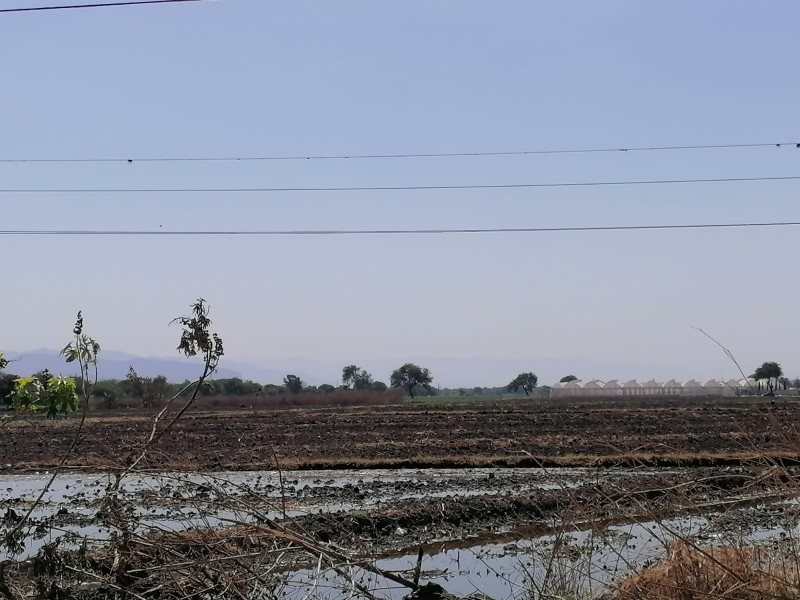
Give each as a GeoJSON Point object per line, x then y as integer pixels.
{"type": "Point", "coordinates": [257, 78]}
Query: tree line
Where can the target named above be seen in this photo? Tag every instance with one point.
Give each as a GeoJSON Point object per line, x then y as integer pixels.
{"type": "Point", "coordinates": [151, 391]}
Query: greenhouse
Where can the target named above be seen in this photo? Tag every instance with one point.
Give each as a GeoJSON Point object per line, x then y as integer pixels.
{"type": "Point", "coordinates": [652, 388]}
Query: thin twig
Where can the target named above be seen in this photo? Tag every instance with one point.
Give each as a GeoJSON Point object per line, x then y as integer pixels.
{"type": "Point", "coordinates": [728, 353]}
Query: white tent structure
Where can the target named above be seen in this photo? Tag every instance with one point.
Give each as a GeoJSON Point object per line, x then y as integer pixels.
{"type": "Point", "coordinates": [652, 388]}
{"type": "Point", "coordinates": [748, 384]}
{"type": "Point", "coordinates": [632, 388]}
{"type": "Point", "coordinates": [732, 387]}
{"type": "Point", "coordinates": [613, 389]}
{"type": "Point", "coordinates": [713, 387]}
{"type": "Point", "coordinates": [693, 388]}
{"type": "Point", "coordinates": [572, 388]}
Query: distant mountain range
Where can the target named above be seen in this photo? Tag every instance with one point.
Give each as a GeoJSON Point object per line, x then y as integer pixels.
{"type": "Point", "coordinates": [115, 365]}
{"type": "Point", "coordinates": [447, 372]}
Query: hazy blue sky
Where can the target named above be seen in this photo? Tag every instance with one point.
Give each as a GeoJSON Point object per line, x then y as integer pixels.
{"type": "Point", "coordinates": [252, 77]}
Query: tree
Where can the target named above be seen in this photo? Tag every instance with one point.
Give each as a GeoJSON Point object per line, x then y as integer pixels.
{"type": "Point", "coordinates": [769, 372]}
{"type": "Point", "coordinates": [55, 395]}
{"type": "Point", "coordinates": [149, 390]}
{"type": "Point", "coordinates": [43, 377]}
{"type": "Point", "coordinates": [526, 381]}
{"type": "Point", "coordinates": [410, 376]}
{"type": "Point", "coordinates": [293, 384]}
{"type": "Point", "coordinates": [232, 387]}
{"type": "Point", "coordinates": [363, 381]}
{"type": "Point", "coordinates": [568, 378]}
{"type": "Point", "coordinates": [349, 375]}
{"type": "Point", "coordinates": [6, 387]}
{"type": "Point", "coordinates": [379, 386]}
{"type": "Point", "coordinates": [326, 388]}
{"type": "Point", "coordinates": [356, 377]}
{"type": "Point", "coordinates": [107, 395]}
{"type": "Point", "coordinates": [6, 382]}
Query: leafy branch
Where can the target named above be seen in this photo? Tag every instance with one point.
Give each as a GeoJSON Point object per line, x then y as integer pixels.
{"type": "Point", "coordinates": [196, 339]}
{"type": "Point", "coordinates": [58, 396]}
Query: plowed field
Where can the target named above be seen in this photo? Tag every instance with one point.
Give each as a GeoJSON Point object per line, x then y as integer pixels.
{"type": "Point", "coordinates": [539, 432]}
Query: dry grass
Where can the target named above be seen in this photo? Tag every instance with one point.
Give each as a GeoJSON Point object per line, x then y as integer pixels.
{"type": "Point", "coordinates": [422, 461]}
{"type": "Point", "coordinates": [728, 572]}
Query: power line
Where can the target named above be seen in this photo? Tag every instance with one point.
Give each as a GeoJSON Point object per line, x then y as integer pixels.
{"type": "Point", "coordinates": [337, 232]}
{"type": "Point", "coordinates": [406, 188]}
{"type": "Point", "coordinates": [98, 5]}
{"type": "Point", "coordinates": [397, 155]}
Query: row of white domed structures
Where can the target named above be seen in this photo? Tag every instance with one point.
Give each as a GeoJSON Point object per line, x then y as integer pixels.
{"type": "Point", "coordinates": [713, 387]}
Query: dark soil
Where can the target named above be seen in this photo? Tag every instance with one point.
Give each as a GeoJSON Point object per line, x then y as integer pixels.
{"type": "Point", "coordinates": [701, 432]}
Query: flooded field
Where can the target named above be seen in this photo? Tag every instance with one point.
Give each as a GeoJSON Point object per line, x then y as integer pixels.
{"type": "Point", "coordinates": [500, 532]}
{"type": "Point", "coordinates": [185, 500]}
{"type": "Point", "coordinates": [470, 500]}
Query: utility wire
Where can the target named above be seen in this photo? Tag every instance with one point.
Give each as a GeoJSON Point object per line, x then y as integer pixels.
{"type": "Point", "coordinates": [406, 188]}
{"type": "Point", "coordinates": [97, 5]}
{"type": "Point", "coordinates": [333, 232]}
{"type": "Point", "coordinates": [410, 155]}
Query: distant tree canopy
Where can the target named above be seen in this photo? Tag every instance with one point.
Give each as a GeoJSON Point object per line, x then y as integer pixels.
{"type": "Point", "coordinates": [410, 376]}
{"type": "Point", "coordinates": [6, 385]}
{"type": "Point", "coordinates": [149, 390]}
{"type": "Point", "coordinates": [567, 379]}
{"type": "Point", "coordinates": [293, 384]}
{"type": "Point", "coordinates": [356, 377]}
{"type": "Point", "coordinates": [769, 372]}
{"type": "Point", "coordinates": [6, 381]}
{"type": "Point", "coordinates": [348, 375]}
{"type": "Point", "coordinates": [236, 386]}
{"type": "Point", "coordinates": [524, 381]}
